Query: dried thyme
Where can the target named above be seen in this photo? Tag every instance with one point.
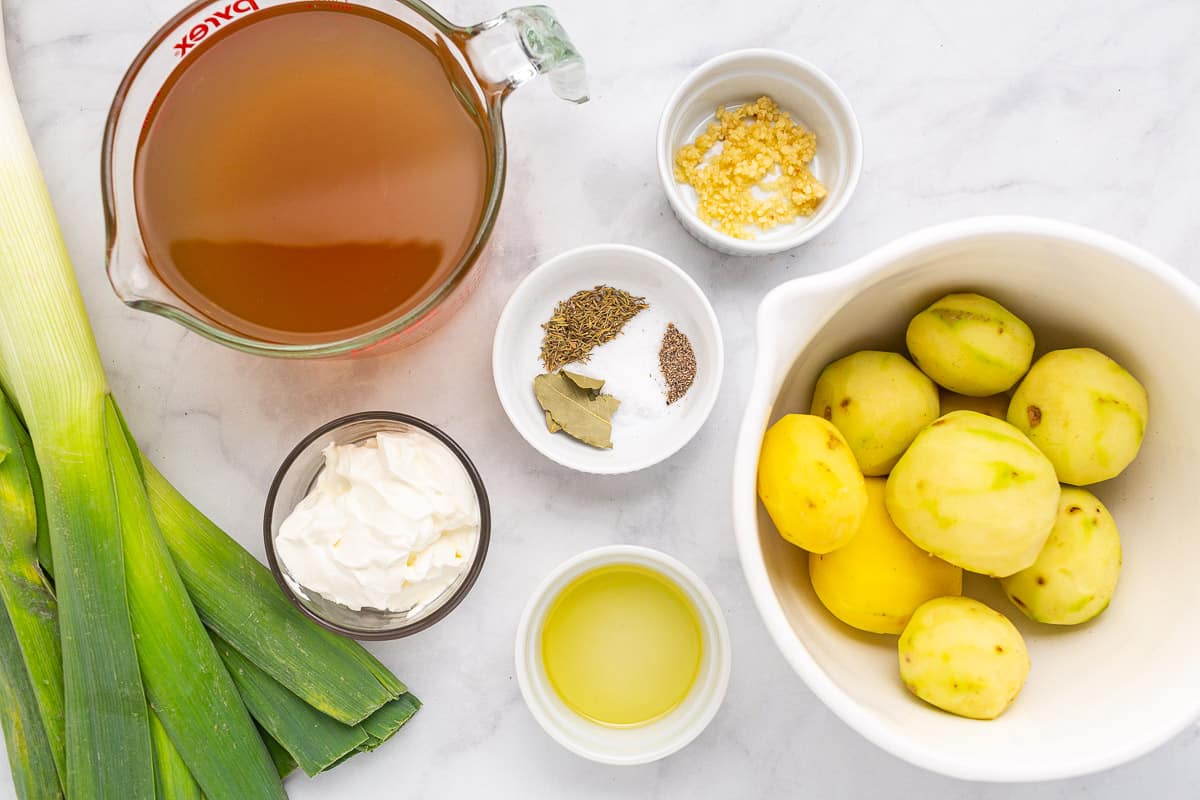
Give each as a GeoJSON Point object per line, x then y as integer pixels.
{"type": "Point", "coordinates": [584, 321]}
{"type": "Point", "coordinates": [677, 361]}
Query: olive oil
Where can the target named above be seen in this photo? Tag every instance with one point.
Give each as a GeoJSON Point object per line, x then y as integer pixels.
{"type": "Point", "coordinates": [622, 645]}
{"type": "Point", "coordinates": [312, 171]}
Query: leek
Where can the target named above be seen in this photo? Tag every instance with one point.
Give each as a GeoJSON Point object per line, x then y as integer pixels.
{"type": "Point", "coordinates": [284, 763]}
{"type": "Point", "coordinates": [388, 720]}
{"type": "Point", "coordinates": [187, 686]}
{"type": "Point", "coordinates": [316, 741]}
{"type": "Point", "coordinates": [52, 372]}
{"type": "Point", "coordinates": [29, 753]}
{"type": "Point", "coordinates": [172, 779]}
{"type": "Point", "coordinates": [29, 602]}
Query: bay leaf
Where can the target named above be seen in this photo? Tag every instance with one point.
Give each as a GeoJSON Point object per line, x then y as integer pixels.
{"type": "Point", "coordinates": [551, 425]}
{"type": "Point", "coordinates": [580, 413]}
{"type": "Point", "coordinates": [584, 382]}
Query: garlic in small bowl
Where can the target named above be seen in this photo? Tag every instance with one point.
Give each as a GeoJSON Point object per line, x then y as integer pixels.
{"type": "Point", "coordinates": [738, 83]}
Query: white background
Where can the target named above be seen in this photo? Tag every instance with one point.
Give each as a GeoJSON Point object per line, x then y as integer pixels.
{"type": "Point", "coordinates": [1088, 111]}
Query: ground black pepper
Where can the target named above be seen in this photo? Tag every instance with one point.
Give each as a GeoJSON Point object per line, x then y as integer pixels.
{"type": "Point", "coordinates": [677, 361]}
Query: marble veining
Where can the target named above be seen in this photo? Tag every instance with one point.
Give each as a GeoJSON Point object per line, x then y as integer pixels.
{"type": "Point", "coordinates": [1079, 110]}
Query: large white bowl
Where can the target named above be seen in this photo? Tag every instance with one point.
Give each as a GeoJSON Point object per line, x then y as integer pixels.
{"type": "Point", "coordinates": [1100, 694]}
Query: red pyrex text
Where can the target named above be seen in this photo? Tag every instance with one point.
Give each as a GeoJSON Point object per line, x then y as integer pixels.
{"type": "Point", "coordinates": [200, 30]}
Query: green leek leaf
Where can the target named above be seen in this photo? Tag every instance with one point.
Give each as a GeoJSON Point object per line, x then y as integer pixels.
{"type": "Point", "coordinates": [188, 687]}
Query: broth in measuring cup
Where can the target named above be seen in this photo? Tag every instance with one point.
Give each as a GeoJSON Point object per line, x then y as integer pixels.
{"type": "Point", "coordinates": [311, 172]}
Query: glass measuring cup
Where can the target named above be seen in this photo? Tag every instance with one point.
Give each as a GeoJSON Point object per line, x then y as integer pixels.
{"type": "Point", "coordinates": [486, 63]}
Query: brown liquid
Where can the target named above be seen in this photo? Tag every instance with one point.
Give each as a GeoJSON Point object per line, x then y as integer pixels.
{"type": "Point", "coordinates": [310, 173]}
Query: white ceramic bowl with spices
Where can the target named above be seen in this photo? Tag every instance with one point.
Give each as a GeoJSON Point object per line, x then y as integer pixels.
{"type": "Point", "coordinates": [645, 430]}
{"type": "Point", "coordinates": [803, 91]}
{"type": "Point", "coordinates": [1098, 694]}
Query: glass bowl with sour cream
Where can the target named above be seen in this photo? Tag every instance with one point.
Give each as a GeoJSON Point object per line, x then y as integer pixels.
{"type": "Point", "coordinates": [377, 525]}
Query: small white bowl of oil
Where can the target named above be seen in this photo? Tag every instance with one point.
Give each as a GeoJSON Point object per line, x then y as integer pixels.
{"type": "Point", "coordinates": [802, 90]}
{"type": "Point", "coordinates": [623, 655]}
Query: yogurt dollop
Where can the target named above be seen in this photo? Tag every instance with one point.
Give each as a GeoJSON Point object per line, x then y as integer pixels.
{"type": "Point", "coordinates": [390, 524]}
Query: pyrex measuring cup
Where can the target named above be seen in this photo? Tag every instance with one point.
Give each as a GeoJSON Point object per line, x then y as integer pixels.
{"type": "Point", "coordinates": [490, 60]}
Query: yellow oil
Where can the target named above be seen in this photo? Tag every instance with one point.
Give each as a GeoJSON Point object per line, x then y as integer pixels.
{"type": "Point", "coordinates": [622, 645]}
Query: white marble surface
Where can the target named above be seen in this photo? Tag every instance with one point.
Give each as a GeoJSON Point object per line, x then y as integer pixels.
{"type": "Point", "coordinates": [1081, 110]}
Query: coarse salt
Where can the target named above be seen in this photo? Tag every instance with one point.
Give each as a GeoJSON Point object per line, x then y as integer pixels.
{"type": "Point", "coordinates": [629, 367]}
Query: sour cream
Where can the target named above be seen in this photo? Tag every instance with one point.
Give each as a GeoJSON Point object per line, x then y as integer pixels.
{"type": "Point", "coordinates": [390, 524]}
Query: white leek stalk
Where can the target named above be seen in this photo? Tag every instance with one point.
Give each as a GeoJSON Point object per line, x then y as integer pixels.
{"type": "Point", "coordinates": [51, 370]}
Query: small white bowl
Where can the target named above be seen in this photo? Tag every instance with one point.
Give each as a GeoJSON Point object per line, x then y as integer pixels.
{"type": "Point", "coordinates": [517, 344]}
{"type": "Point", "coordinates": [645, 743]}
{"type": "Point", "coordinates": [802, 90]}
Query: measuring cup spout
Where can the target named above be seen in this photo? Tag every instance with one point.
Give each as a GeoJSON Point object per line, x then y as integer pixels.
{"type": "Point", "coordinates": [521, 44]}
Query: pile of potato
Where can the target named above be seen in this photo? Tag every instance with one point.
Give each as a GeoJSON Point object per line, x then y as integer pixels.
{"type": "Point", "coordinates": [895, 486]}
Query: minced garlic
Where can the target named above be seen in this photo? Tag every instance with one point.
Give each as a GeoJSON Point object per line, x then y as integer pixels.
{"type": "Point", "coordinates": [759, 177]}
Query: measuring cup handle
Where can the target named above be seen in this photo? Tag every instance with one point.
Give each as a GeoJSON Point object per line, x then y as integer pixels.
{"type": "Point", "coordinates": [521, 44]}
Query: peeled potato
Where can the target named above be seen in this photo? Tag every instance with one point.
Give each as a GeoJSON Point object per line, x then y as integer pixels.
{"type": "Point", "coordinates": [879, 401]}
{"type": "Point", "coordinates": [995, 405]}
{"type": "Point", "coordinates": [1084, 411]}
{"type": "Point", "coordinates": [1076, 573]}
{"type": "Point", "coordinates": [963, 657]}
{"type": "Point", "coordinates": [974, 491]}
{"type": "Point", "coordinates": [810, 484]}
{"type": "Point", "coordinates": [970, 345]}
{"type": "Point", "coordinates": [875, 582]}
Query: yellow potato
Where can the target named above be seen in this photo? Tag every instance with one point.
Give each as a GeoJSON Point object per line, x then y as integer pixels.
{"type": "Point", "coordinates": [995, 405]}
{"type": "Point", "coordinates": [875, 582]}
{"type": "Point", "coordinates": [1084, 411]}
{"type": "Point", "coordinates": [970, 345]}
{"type": "Point", "coordinates": [810, 484]}
{"type": "Point", "coordinates": [975, 492]}
{"type": "Point", "coordinates": [879, 401]}
{"type": "Point", "coordinates": [1076, 573]}
{"type": "Point", "coordinates": [963, 657]}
